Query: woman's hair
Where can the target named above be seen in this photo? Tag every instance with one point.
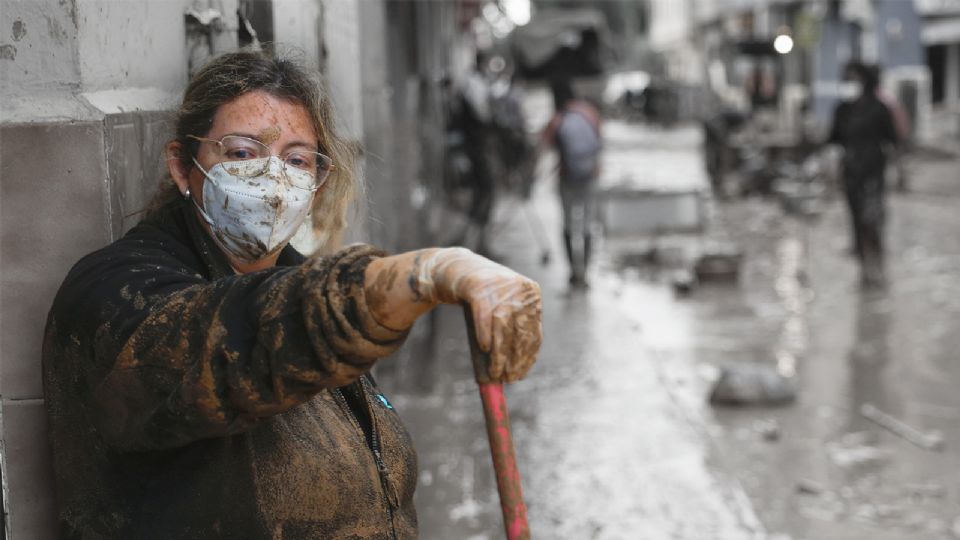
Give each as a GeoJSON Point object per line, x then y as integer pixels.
{"type": "Point", "coordinates": [231, 75]}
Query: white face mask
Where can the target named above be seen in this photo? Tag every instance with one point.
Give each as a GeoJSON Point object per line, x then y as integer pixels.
{"type": "Point", "coordinates": [254, 216]}
{"type": "Point", "coordinates": [850, 90]}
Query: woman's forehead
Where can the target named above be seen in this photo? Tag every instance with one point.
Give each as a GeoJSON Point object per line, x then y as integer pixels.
{"type": "Point", "coordinates": [264, 116]}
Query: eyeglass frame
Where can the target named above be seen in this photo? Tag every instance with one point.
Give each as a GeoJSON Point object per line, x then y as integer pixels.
{"type": "Point", "coordinates": [318, 183]}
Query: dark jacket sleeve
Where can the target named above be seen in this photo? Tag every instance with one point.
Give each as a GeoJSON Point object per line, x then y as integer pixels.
{"type": "Point", "coordinates": [164, 357]}
{"type": "Point", "coordinates": [835, 136]}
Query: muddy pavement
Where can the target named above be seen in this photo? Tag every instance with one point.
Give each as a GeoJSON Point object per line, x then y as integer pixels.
{"type": "Point", "coordinates": [613, 431]}
{"type": "Point", "coordinates": [821, 467]}
{"type": "Point", "coordinates": [610, 445]}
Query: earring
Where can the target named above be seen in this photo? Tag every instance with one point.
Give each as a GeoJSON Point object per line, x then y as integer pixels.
{"type": "Point", "coordinates": [186, 194]}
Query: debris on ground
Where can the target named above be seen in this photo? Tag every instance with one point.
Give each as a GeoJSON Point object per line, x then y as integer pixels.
{"type": "Point", "coordinates": [925, 491]}
{"type": "Point", "coordinates": [752, 384]}
{"type": "Point", "coordinates": [719, 261]}
{"type": "Point", "coordinates": [857, 449]}
{"type": "Point", "coordinates": [929, 440]}
{"type": "Point", "coordinates": [768, 429]}
{"type": "Point", "coordinates": [683, 282]}
{"type": "Point", "coordinates": [810, 487]}
{"type": "Point", "coordinates": [800, 198]}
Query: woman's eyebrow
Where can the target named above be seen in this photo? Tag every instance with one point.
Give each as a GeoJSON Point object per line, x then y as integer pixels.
{"type": "Point", "coordinates": [311, 146]}
{"type": "Point", "coordinates": [240, 134]}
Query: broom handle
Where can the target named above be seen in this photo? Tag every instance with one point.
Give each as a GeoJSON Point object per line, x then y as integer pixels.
{"type": "Point", "coordinates": [501, 442]}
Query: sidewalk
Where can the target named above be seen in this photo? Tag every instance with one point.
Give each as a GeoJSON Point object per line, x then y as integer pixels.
{"type": "Point", "coordinates": [609, 426]}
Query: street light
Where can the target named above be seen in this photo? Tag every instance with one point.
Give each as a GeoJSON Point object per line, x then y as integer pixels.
{"type": "Point", "coordinates": [783, 44]}
{"type": "Point", "coordinates": [518, 11]}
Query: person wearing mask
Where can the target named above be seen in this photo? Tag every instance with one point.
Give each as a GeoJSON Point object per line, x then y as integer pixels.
{"type": "Point", "coordinates": [574, 131]}
{"type": "Point", "coordinates": [864, 128]}
{"type": "Point", "coordinates": [204, 380]}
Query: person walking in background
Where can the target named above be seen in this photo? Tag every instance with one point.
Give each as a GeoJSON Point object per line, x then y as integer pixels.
{"type": "Point", "coordinates": [864, 127]}
{"type": "Point", "coordinates": [472, 115]}
{"type": "Point", "coordinates": [574, 131]}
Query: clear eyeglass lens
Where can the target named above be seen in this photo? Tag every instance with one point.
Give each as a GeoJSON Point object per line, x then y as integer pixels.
{"type": "Point", "coordinates": [233, 148]}
{"type": "Point", "coordinates": [236, 148]}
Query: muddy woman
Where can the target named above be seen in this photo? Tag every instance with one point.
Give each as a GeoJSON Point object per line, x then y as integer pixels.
{"type": "Point", "coordinates": [206, 380]}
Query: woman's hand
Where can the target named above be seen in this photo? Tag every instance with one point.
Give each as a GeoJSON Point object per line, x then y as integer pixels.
{"type": "Point", "coordinates": [506, 306]}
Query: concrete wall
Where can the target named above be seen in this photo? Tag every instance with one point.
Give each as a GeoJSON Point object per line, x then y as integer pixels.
{"type": "Point", "coordinates": [85, 87]}
{"type": "Point", "coordinates": [300, 23]}
{"type": "Point", "coordinates": [38, 40]}
{"type": "Point", "coordinates": [897, 29]}
{"type": "Point", "coordinates": [86, 91]}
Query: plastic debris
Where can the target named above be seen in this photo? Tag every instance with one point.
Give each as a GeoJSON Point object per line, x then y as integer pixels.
{"type": "Point", "coordinates": [752, 384]}
{"type": "Point", "coordinates": [810, 487]}
{"type": "Point", "coordinates": [683, 282]}
{"type": "Point", "coordinates": [718, 263]}
{"type": "Point", "coordinates": [929, 440]}
{"type": "Point", "coordinates": [855, 450]}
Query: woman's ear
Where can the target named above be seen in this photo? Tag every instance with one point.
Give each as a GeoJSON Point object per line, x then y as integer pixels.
{"type": "Point", "coordinates": [178, 171]}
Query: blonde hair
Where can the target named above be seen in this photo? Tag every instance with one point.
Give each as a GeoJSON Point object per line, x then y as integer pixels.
{"type": "Point", "coordinates": [231, 75]}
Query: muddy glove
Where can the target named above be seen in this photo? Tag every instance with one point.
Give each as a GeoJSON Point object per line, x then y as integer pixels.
{"type": "Point", "coordinates": [505, 305]}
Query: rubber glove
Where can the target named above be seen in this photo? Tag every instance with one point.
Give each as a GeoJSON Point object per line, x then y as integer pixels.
{"type": "Point", "coordinates": [505, 305]}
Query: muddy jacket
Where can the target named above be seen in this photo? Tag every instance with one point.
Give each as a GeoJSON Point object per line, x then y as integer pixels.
{"type": "Point", "coordinates": [187, 402]}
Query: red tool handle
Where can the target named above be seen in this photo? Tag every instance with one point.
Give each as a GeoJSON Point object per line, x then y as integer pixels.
{"type": "Point", "coordinates": [501, 442]}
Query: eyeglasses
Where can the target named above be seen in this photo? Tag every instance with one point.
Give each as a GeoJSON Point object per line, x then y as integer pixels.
{"type": "Point", "coordinates": [234, 148]}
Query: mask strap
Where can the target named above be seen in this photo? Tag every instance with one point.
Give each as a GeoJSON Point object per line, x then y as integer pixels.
{"type": "Point", "coordinates": [204, 171]}
{"type": "Point", "coordinates": [206, 217]}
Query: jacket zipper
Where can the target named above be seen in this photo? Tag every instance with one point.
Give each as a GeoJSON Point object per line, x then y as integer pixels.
{"type": "Point", "coordinates": [374, 448]}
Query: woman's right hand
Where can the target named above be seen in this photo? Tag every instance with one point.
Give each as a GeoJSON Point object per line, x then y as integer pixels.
{"type": "Point", "coordinates": [506, 306]}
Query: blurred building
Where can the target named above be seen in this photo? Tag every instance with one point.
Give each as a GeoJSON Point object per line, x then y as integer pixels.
{"type": "Point", "coordinates": [941, 39]}
{"type": "Point", "coordinates": [788, 55]}
{"type": "Point", "coordinates": [87, 88]}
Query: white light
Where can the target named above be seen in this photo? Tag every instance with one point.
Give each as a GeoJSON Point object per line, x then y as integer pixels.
{"type": "Point", "coordinates": [783, 44]}
{"type": "Point", "coordinates": [518, 11]}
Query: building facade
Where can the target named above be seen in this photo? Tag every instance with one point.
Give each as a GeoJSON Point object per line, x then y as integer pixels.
{"type": "Point", "coordinates": [735, 39]}
{"type": "Point", "coordinates": [87, 88]}
{"type": "Point", "coordinates": [941, 40]}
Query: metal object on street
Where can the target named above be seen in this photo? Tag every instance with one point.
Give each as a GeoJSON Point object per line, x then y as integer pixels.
{"type": "Point", "coordinates": [930, 440]}
{"type": "Point", "coordinates": [501, 442]}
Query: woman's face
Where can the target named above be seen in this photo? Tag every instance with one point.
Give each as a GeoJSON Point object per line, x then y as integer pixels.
{"type": "Point", "coordinates": [277, 123]}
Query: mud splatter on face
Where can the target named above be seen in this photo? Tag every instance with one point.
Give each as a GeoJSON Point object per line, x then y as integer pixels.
{"type": "Point", "coordinates": [269, 135]}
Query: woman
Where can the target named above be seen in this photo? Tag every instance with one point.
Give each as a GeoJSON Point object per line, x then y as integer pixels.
{"type": "Point", "coordinates": [205, 380]}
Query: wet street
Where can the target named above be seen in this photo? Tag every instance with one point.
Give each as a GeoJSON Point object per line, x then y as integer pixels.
{"type": "Point", "coordinates": [613, 430]}
{"type": "Point", "coordinates": [831, 472]}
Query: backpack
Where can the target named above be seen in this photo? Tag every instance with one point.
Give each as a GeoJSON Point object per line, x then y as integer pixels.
{"type": "Point", "coordinates": [578, 143]}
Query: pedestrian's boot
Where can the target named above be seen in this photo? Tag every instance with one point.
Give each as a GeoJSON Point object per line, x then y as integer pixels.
{"type": "Point", "coordinates": [872, 276]}
{"type": "Point", "coordinates": [576, 278]}
{"type": "Point", "coordinates": [586, 251]}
